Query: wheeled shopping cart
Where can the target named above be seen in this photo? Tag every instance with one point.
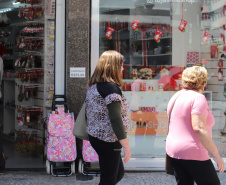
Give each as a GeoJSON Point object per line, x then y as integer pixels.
{"type": "Point", "coordinates": [89, 165]}
{"type": "Point", "coordinates": [60, 142]}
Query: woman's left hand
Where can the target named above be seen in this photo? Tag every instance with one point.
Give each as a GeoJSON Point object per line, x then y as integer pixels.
{"type": "Point", "coordinates": [220, 163]}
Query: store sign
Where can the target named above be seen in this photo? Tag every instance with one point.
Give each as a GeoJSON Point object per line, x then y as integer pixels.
{"type": "Point", "coordinates": [77, 72]}
{"type": "Point", "coordinates": [148, 123]}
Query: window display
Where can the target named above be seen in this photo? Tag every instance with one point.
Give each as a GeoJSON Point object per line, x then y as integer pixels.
{"type": "Point", "coordinates": [159, 40]}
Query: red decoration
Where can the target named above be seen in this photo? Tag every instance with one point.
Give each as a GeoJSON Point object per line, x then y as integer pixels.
{"type": "Point", "coordinates": [135, 24]}
{"type": "Point", "coordinates": [205, 37]}
{"type": "Point", "coordinates": [158, 34]}
{"type": "Point", "coordinates": [182, 25]}
{"type": "Point", "coordinates": [176, 72]}
{"type": "Point", "coordinates": [126, 87]}
{"type": "Point", "coordinates": [168, 82]}
{"type": "Point", "coordinates": [214, 51]}
{"type": "Point", "coordinates": [3, 51]}
{"type": "Point", "coordinates": [109, 32]}
{"type": "Point", "coordinates": [27, 117]}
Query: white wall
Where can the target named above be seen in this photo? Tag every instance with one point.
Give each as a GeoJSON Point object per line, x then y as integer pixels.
{"type": "Point", "coordinates": [189, 40]}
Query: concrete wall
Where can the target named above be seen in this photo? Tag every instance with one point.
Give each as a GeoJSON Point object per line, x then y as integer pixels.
{"type": "Point", "coordinates": [78, 48]}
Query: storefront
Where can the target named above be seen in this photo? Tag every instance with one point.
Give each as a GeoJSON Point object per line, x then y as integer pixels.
{"type": "Point", "coordinates": [158, 38]}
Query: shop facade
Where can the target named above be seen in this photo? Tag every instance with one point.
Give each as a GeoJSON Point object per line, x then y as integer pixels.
{"type": "Point", "coordinates": [158, 39]}
{"type": "Point", "coordinates": [156, 52]}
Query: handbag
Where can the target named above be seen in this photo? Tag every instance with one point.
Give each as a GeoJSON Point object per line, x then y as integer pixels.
{"type": "Point", "coordinates": [168, 164]}
{"type": "Point", "coordinates": [79, 129]}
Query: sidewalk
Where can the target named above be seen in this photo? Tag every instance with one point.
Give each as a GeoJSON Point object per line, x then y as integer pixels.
{"type": "Point", "coordinates": [40, 178]}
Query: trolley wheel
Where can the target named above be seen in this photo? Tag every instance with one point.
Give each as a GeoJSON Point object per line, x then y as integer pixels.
{"type": "Point", "coordinates": [47, 167]}
{"type": "Point", "coordinates": [80, 166]}
{"type": "Point", "coordinates": [73, 167]}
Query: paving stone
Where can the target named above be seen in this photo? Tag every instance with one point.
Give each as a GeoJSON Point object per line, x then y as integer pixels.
{"type": "Point", "coordinates": [130, 178]}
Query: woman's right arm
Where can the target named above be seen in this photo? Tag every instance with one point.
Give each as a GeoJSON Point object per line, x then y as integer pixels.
{"type": "Point", "coordinates": [199, 126]}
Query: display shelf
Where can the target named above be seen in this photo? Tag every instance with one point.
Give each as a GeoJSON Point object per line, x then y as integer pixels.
{"type": "Point", "coordinates": [8, 57]}
{"type": "Point", "coordinates": [35, 37]}
{"type": "Point", "coordinates": [9, 79]}
{"type": "Point", "coordinates": [151, 39]}
{"type": "Point", "coordinates": [12, 108]}
{"type": "Point", "coordinates": [23, 128]}
{"type": "Point", "coordinates": [8, 138]}
{"type": "Point", "coordinates": [159, 55]}
{"type": "Point", "coordinates": [47, 17]}
{"type": "Point", "coordinates": [29, 69]}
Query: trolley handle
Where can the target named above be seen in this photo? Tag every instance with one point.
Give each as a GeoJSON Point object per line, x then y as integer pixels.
{"type": "Point", "coordinates": [55, 102]}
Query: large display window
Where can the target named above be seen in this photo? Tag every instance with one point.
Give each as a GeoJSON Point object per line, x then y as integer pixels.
{"type": "Point", "coordinates": [159, 39]}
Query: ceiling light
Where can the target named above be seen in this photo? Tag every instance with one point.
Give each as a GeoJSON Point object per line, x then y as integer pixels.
{"type": "Point", "coordinates": [16, 3]}
{"type": "Point", "coordinates": [5, 10]}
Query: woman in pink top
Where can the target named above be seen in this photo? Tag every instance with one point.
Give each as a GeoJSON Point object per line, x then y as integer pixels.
{"type": "Point", "coordinates": [190, 137]}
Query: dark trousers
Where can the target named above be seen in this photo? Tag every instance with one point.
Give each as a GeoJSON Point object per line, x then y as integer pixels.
{"type": "Point", "coordinates": [110, 160]}
{"type": "Point", "coordinates": [189, 171]}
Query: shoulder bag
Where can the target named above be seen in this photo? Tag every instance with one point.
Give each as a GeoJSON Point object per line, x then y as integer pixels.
{"type": "Point", "coordinates": [79, 129]}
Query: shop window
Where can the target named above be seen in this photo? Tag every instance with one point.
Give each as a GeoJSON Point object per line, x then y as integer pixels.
{"type": "Point", "coordinates": [159, 40]}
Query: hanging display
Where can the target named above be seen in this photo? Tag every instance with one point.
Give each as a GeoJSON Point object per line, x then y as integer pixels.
{"type": "Point", "coordinates": [135, 22]}
{"type": "Point", "coordinates": [109, 31]}
{"type": "Point", "coordinates": [183, 23]}
{"type": "Point", "coordinates": [205, 37]}
{"type": "Point", "coordinates": [158, 34]}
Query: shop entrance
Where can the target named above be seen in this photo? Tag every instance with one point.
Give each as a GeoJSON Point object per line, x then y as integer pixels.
{"type": "Point", "coordinates": [27, 40]}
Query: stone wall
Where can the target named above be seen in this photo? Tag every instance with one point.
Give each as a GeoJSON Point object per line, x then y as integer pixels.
{"type": "Point", "coordinates": [78, 50]}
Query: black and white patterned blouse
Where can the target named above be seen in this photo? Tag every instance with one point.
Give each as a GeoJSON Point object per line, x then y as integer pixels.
{"type": "Point", "coordinates": [98, 122]}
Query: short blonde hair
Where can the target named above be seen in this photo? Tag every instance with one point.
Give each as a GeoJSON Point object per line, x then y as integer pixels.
{"type": "Point", "coordinates": [194, 78]}
{"type": "Point", "coordinates": [108, 68]}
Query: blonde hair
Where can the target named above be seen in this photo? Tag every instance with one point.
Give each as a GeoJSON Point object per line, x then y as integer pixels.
{"type": "Point", "coordinates": [108, 68]}
{"type": "Point", "coordinates": [194, 78]}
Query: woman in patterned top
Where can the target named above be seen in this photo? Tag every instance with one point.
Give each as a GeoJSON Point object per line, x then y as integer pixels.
{"type": "Point", "coordinates": [107, 117]}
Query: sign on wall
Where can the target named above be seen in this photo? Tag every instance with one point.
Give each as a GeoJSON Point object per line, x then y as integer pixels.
{"type": "Point", "coordinates": [77, 72]}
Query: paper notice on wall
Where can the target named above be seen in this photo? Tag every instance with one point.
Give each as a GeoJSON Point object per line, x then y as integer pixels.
{"type": "Point", "coordinates": [77, 72]}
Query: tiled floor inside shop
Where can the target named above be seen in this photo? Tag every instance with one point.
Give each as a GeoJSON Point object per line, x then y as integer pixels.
{"type": "Point", "coordinates": [21, 160]}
